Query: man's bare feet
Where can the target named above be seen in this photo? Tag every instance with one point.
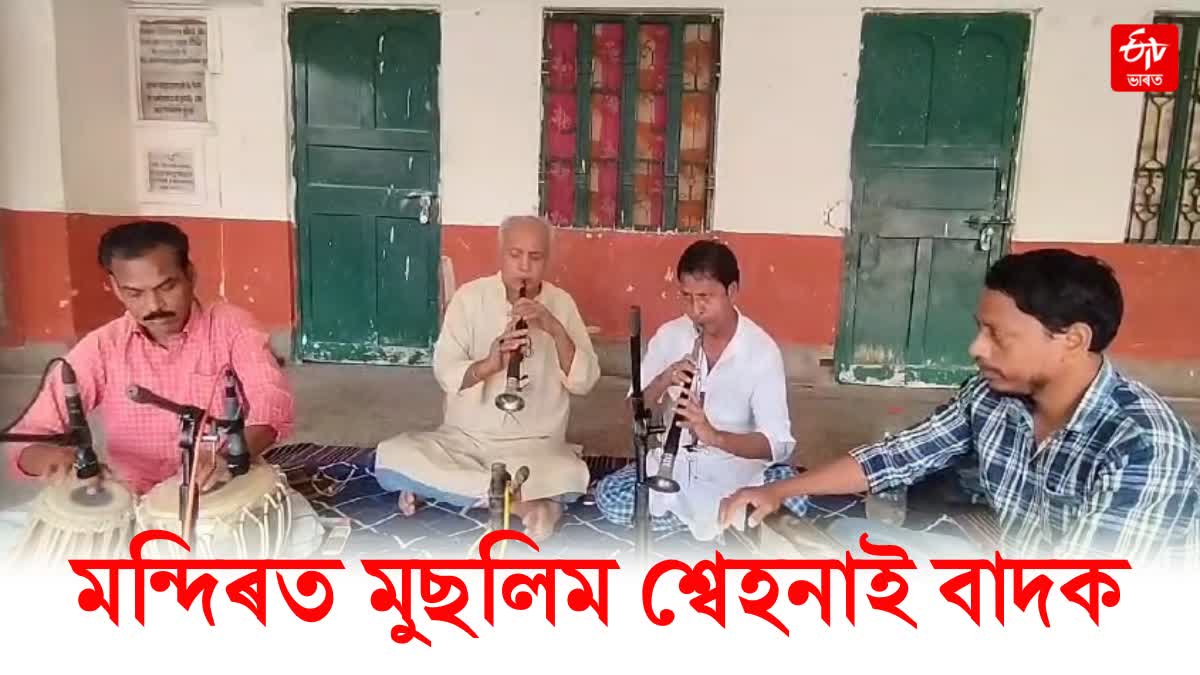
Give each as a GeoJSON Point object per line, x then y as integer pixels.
{"type": "Point", "coordinates": [539, 516]}
{"type": "Point", "coordinates": [407, 503]}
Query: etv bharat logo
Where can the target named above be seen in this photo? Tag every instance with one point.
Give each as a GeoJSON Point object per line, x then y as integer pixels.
{"type": "Point", "coordinates": [1145, 57]}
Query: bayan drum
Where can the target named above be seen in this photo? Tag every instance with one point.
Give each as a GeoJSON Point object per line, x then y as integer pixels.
{"type": "Point", "coordinates": [248, 517]}
{"type": "Point", "coordinates": [69, 520]}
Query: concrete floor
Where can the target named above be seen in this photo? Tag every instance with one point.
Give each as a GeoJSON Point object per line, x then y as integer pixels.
{"type": "Point", "coordinates": [361, 405]}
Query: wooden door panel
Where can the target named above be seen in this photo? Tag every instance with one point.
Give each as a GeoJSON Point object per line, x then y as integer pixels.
{"type": "Point", "coordinates": [880, 329]}
{"type": "Point", "coordinates": [407, 261]}
{"type": "Point", "coordinates": [932, 159]}
{"type": "Point", "coordinates": [367, 174]}
{"type": "Point", "coordinates": [333, 239]}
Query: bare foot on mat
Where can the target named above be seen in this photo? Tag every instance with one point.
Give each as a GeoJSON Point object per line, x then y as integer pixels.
{"type": "Point", "coordinates": [407, 503]}
{"type": "Point", "coordinates": [540, 517]}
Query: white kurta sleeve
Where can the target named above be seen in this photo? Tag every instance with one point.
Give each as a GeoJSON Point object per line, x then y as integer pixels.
{"type": "Point", "coordinates": [452, 351]}
{"type": "Point", "coordinates": [584, 370]}
{"type": "Point", "coordinates": [656, 359]}
{"type": "Point", "coordinates": [769, 405]}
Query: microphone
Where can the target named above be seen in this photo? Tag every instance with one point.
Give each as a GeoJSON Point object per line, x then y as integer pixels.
{"type": "Point", "coordinates": [86, 463]}
{"type": "Point", "coordinates": [234, 426]}
{"type": "Point", "coordinates": [143, 395]}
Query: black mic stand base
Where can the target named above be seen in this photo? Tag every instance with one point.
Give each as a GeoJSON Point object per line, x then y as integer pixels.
{"type": "Point", "coordinates": [641, 506]}
{"type": "Point", "coordinates": [641, 440]}
{"type": "Point", "coordinates": [87, 464]}
{"type": "Point", "coordinates": [641, 499]}
{"type": "Point", "coordinates": [48, 439]}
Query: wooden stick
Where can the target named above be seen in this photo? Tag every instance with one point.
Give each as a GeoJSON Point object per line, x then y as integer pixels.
{"type": "Point", "coordinates": [193, 505]}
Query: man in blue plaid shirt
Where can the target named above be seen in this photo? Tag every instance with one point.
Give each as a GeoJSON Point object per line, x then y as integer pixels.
{"type": "Point", "coordinates": [1075, 460]}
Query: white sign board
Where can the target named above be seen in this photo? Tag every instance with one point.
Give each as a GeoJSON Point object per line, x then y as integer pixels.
{"type": "Point", "coordinates": [172, 69]}
{"type": "Point", "coordinates": [171, 172]}
{"type": "Point", "coordinates": [173, 167]}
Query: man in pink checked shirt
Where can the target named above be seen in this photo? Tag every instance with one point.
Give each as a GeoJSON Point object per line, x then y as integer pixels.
{"type": "Point", "coordinates": [170, 343]}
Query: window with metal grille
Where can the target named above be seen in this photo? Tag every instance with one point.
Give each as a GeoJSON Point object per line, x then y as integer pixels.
{"type": "Point", "coordinates": [628, 120]}
{"type": "Point", "coordinates": [1166, 183]}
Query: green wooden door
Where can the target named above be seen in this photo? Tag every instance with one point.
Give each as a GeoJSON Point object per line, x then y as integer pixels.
{"type": "Point", "coordinates": [932, 161]}
{"type": "Point", "coordinates": [366, 162]}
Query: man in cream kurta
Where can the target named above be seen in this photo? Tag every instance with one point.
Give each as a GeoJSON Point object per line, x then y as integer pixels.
{"type": "Point", "coordinates": [453, 462]}
{"type": "Point", "coordinates": [743, 427]}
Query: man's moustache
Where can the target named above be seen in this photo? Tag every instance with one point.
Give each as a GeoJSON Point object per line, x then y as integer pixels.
{"type": "Point", "coordinates": [158, 315]}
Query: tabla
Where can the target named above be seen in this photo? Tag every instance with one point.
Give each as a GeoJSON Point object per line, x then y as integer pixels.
{"type": "Point", "coordinates": [67, 521]}
{"type": "Point", "coordinates": [248, 517]}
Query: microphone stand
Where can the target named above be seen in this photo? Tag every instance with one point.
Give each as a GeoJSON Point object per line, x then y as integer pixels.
{"type": "Point", "coordinates": [190, 435]}
{"type": "Point", "coordinates": [77, 435]}
{"type": "Point", "coordinates": [65, 440]}
{"type": "Point", "coordinates": [86, 462]}
{"type": "Point", "coordinates": [642, 430]}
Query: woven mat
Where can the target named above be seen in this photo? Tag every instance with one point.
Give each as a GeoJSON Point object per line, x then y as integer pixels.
{"type": "Point", "coordinates": [340, 483]}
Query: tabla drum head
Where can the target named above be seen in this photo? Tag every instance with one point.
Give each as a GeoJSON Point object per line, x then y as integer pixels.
{"type": "Point", "coordinates": [228, 498]}
{"type": "Point", "coordinates": [70, 521]}
{"type": "Point", "coordinates": [247, 517]}
{"type": "Point", "coordinates": [72, 503]}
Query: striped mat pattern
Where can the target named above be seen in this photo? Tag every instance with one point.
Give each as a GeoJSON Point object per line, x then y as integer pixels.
{"type": "Point", "coordinates": [339, 481]}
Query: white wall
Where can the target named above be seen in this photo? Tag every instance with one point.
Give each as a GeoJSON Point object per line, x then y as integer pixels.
{"type": "Point", "coordinates": [491, 110]}
{"type": "Point", "coordinates": [1079, 142]}
{"type": "Point", "coordinates": [95, 89]}
{"type": "Point", "coordinates": [785, 117]}
{"type": "Point", "coordinates": [30, 148]}
{"type": "Point", "coordinates": [251, 104]}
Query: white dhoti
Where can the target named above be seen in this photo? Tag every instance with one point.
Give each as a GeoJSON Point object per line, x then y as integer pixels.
{"type": "Point", "coordinates": [453, 461]}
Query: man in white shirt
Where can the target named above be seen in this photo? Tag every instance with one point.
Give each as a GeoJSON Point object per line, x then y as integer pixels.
{"type": "Point", "coordinates": [740, 424]}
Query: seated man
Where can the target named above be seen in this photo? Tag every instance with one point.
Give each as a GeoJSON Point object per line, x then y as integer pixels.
{"type": "Point", "coordinates": [740, 423]}
{"type": "Point", "coordinates": [171, 344]}
{"type": "Point", "coordinates": [470, 361]}
{"type": "Point", "coordinates": [1074, 458]}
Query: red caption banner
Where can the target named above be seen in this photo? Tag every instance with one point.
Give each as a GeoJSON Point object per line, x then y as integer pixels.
{"type": "Point", "coordinates": [444, 591]}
